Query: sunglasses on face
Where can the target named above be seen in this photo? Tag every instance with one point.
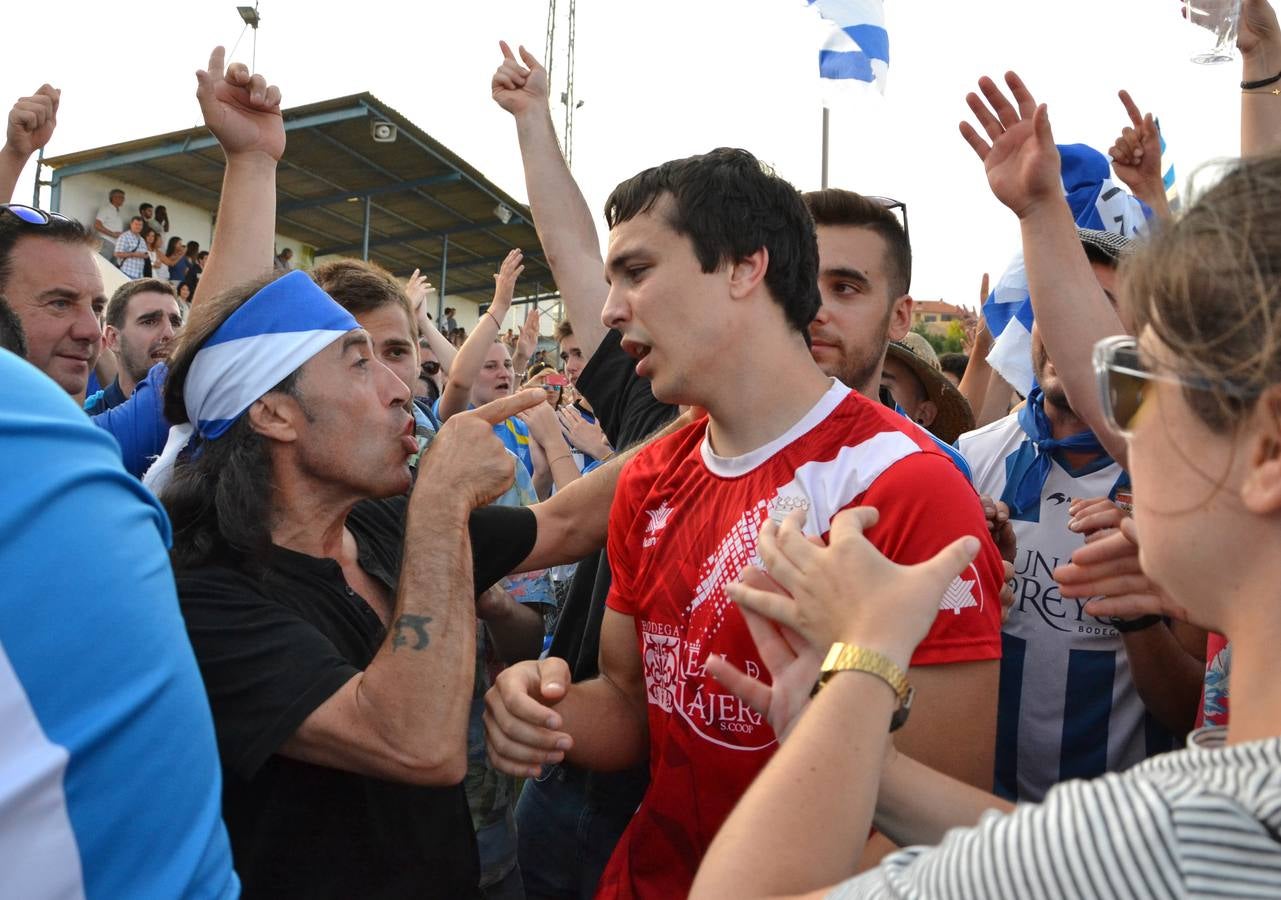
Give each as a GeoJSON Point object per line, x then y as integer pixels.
{"type": "Point", "coordinates": [431, 367]}
{"type": "Point", "coordinates": [1126, 382]}
{"type": "Point", "coordinates": [31, 215]}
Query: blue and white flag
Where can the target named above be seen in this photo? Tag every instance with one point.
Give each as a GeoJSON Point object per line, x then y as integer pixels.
{"type": "Point", "coordinates": [857, 47]}
{"type": "Point", "coordinates": [1097, 203]}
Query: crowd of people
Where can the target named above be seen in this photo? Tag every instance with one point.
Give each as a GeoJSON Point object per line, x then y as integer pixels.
{"type": "Point", "coordinates": [743, 593]}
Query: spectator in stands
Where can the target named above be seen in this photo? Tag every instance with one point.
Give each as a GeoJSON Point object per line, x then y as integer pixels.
{"type": "Point", "coordinates": [111, 784]}
{"type": "Point", "coordinates": [283, 261]}
{"type": "Point", "coordinates": [183, 291]}
{"type": "Point", "coordinates": [448, 325]}
{"type": "Point", "coordinates": [131, 250]}
{"type": "Point", "coordinates": [143, 318]}
{"type": "Point", "coordinates": [162, 220]}
{"type": "Point", "coordinates": [912, 374]}
{"type": "Point", "coordinates": [178, 271]}
{"type": "Point", "coordinates": [429, 374]}
{"type": "Point", "coordinates": [195, 270]}
{"type": "Point", "coordinates": [148, 214]}
{"type": "Point", "coordinates": [108, 224]}
{"type": "Point", "coordinates": [953, 366]}
{"type": "Point", "coordinates": [160, 265]}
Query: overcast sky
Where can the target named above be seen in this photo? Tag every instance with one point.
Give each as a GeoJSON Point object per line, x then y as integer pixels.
{"type": "Point", "coordinates": [663, 79]}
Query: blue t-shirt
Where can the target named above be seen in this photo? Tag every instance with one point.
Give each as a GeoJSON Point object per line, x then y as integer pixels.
{"type": "Point", "coordinates": [512, 432]}
{"type": "Point", "coordinates": [112, 786]}
{"type": "Point", "coordinates": [139, 425]}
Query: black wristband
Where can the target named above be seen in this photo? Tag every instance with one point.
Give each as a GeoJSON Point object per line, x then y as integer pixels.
{"type": "Point", "coordinates": [1126, 626]}
{"type": "Point", "coordinates": [1262, 82]}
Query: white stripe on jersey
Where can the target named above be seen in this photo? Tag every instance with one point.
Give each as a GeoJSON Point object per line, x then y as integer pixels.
{"type": "Point", "coordinates": [39, 856]}
{"type": "Point", "coordinates": [831, 485]}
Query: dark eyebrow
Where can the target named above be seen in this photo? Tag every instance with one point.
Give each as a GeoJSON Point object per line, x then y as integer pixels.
{"type": "Point", "coordinates": [847, 274]}
{"type": "Point", "coordinates": [57, 293]}
{"type": "Point", "coordinates": [354, 338]}
{"type": "Point", "coordinates": [397, 342]}
{"type": "Point", "coordinates": [620, 263]}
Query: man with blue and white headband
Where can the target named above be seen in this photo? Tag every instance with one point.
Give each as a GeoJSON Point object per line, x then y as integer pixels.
{"type": "Point", "coordinates": [329, 600]}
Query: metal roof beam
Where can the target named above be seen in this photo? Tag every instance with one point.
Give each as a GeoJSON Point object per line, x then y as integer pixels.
{"type": "Point", "coordinates": [422, 235]}
{"type": "Point", "coordinates": [394, 188]}
{"type": "Point", "coordinates": [515, 219]}
{"type": "Point", "coordinates": [189, 145]}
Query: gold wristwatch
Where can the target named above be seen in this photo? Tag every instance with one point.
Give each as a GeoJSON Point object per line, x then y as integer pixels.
{"type": "Point", "coordinates": [852, 658]}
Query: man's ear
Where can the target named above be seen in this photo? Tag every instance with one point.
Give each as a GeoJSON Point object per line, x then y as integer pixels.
{"type": "Point", "coordinates": [1261, 488]}
{"type": "Point", "coordinates": [900, 317]}
{"type": "Point", "coordinates": [747, 273]}
{"type": "Point", "coordinates": [110, 338]}
{"type": "Point", "coordinates": [926, 413]}
{"type": "Point", "coordinates": [275, 415]}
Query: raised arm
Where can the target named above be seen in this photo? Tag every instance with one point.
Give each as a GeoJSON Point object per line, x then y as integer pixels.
{"type": "Point", "coordinates": [561, 216]}
{"type": "Point", "coordinates": [418, 290]}
{"type": "Point", "coordinates": [1022, 165]}
{"type": "Point", "coordinates": [471, 355]}
{"type": "Point", "coordinates": [243, 113]}
{"type": "Point", "coordinates": [1136, 159]}
{"type": "Point", "coordinates": [527, 343]}
{"type": "Point", "coordinates": [1259, 40]}
{"type": "Point", "coordinates": [31, 123]}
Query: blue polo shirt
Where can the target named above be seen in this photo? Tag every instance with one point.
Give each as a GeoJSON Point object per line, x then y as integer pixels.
{"type": "Point", "coordinates": [139, 425]}
{"type": "Point", "coordinates": [112, 786]}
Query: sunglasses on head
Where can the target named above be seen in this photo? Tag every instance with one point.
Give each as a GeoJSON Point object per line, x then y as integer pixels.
{"type": "Point", "coordinates": [431, 367]}
{"type": "Point", "coordinates": [1125, 382]}
{"type": "Point", "coordinates": [891, 204]}
{"type": "Point", "coordinates": [31, 215]}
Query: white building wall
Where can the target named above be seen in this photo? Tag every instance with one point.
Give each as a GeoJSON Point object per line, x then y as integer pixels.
{"type": "Point", "coordinates": [81, 195]}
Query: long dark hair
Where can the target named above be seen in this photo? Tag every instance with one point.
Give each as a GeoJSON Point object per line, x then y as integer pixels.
{"type": "Point", "coordinates": [173, 242]}
{"type": "Point", "coordinates": [219, 499]}
{"type": "Point", "coordinates": [192, 249]}
{"type": "Point", "coordinates": [162, 216]}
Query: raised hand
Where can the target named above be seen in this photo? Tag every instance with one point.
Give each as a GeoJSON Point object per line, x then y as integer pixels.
{"type": "Point", "coordinates": [241, 110]}
{"type": "Point", "coordinates": [890, 611]}
{"type": "Point", "coordinates": [1136, 153]}
{"type": "Point", "coordinates": [792, 662]}
{"type": "Point", "coordinates": [417, 289]}
{"type": "Point", "coordinates": [1022, 163]}
{"type": "Point", "coordinates": [1258, 28]}
{"type": "Point", "coordinates": [544, 427]}
{"type": "Point", "coordinates": [518, 88]}
{"type": "Point", "coordinates": [505, 284]}
{"type": "Point", "coordinates": [527, 342]}
{"type": "Point", "coordinates": [583, 435]}
{"type": "Point", "coordinates": [1108, 569]}
{"type": "Point", "coordinates": [32, 121]}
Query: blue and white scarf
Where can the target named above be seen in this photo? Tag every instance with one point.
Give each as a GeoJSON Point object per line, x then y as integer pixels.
{"type": "Point", "coordinates": [1027, 468]}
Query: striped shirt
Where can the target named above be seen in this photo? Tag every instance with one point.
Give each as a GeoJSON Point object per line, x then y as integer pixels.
{"type": "Point", "coordinates": [1201, 822]}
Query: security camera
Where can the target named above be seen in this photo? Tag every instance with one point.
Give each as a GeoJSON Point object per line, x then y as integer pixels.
{"type": "Point", "coordinates": [382, 132]}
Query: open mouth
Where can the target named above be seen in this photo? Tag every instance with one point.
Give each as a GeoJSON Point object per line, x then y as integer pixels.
{"type": "Point", "coordinates": [503, 387]}
{"type": "Point", "coordinates": [635, 349]}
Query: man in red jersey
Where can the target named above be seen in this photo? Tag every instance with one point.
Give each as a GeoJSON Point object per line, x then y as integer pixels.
{"type": "Point", "coordinates": [713, 266]}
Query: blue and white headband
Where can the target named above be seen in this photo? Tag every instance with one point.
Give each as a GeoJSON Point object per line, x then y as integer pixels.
{"type": "Point", "coordinates": [270, 336]}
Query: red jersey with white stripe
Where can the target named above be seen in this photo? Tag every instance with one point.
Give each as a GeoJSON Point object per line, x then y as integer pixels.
{"type": "Point", "coordinates": [685, 522]}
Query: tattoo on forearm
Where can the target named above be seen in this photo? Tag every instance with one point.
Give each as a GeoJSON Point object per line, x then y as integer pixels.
{"type": "Point", "coordinates": [417, 626]}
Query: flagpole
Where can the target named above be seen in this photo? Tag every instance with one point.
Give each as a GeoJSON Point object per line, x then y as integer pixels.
{"type": "Point", "coordinates": [824, 182]}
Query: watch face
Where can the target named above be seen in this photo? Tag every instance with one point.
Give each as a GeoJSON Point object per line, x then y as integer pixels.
{"type": "Point", "coordinates": [901, 714]}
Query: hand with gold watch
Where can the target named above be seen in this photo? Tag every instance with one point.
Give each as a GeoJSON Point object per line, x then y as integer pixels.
{"type": "Point", "coordinates": [812, 598]}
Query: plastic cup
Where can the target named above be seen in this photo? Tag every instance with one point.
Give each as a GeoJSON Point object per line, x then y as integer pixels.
{"type": "Point", "coordinates": [1220, 18]}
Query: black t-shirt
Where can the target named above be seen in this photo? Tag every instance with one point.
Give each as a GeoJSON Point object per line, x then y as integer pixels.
{"type": "Point", "coordinates": [628, 412]}
{"type": "Point", "coordinates": [273, 643]}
